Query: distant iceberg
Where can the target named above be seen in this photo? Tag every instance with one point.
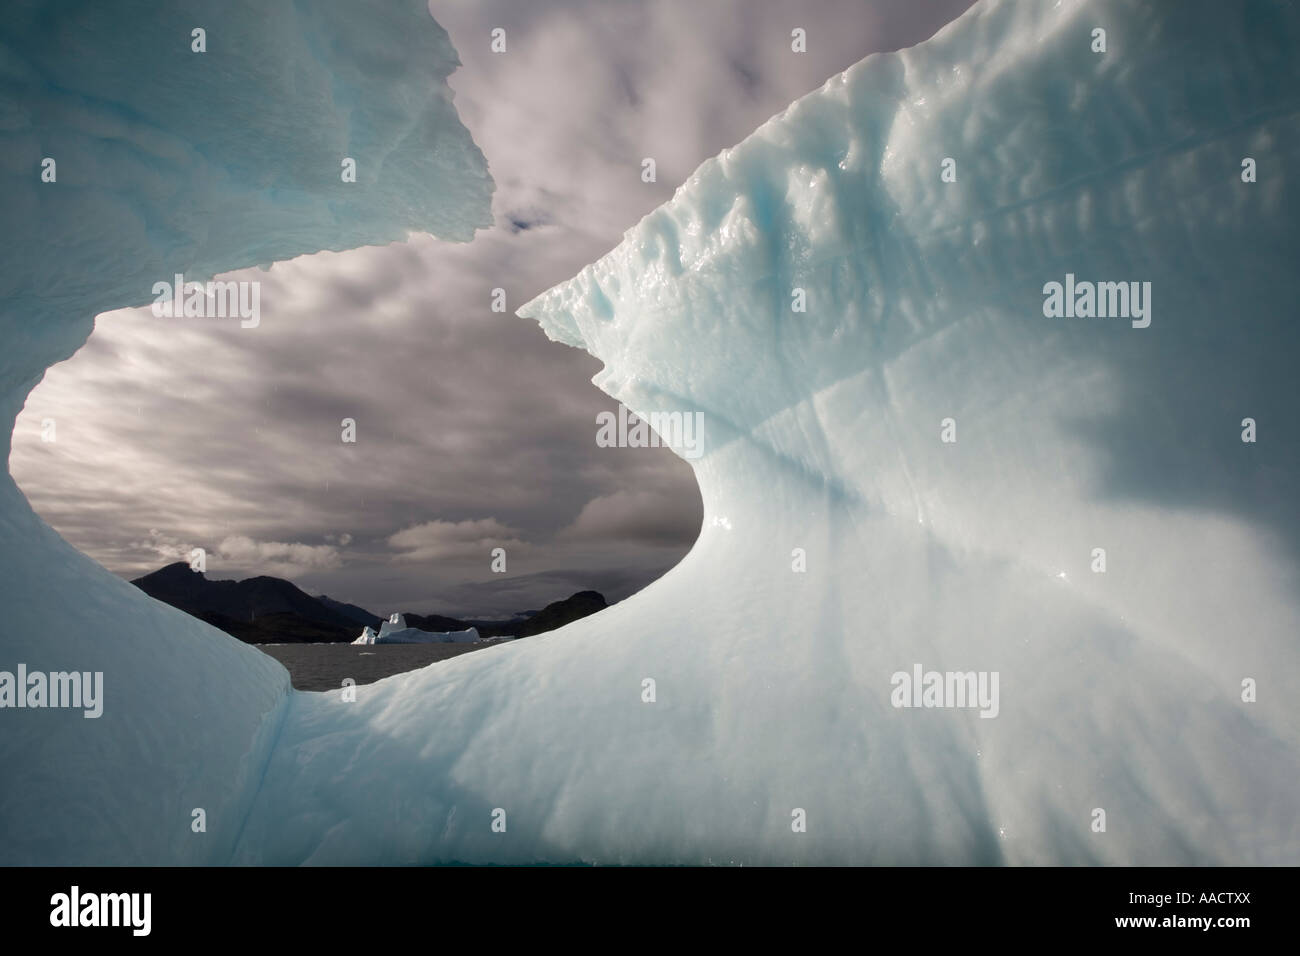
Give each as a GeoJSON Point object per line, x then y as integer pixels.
{"type": "Point", "coordinates": [395, 631]}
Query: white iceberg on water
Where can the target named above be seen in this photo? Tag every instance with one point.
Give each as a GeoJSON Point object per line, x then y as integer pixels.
{"type": "Point", "coordinates": [395, 631]}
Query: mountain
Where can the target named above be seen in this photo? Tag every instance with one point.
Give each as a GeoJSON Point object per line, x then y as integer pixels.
{"type": "Point", "coordinates": [260, 610]}
{"type": "Point", "coordinates": [358, 614]}
{"type": "Point", "coordinates": [560, 613]}
{"type": "Point", "coordinates": [556, 614]}
{"type": "Point", "coordinates": [438, 622]}
{"type": "Point", "coordinates": [267, 610]}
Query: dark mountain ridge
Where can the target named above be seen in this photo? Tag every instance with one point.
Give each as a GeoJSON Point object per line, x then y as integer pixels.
{"type": "Point", "coordinates": [267, 610]}
{"type": "Point", "coordinates": [256, 610]}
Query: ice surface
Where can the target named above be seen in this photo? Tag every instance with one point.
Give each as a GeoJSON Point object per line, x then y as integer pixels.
{"type": "Point", "coordinates": [771, 687]}
{"type": "Point", "coordinates": [1118, 691]}
{"type": "Point", "coordinates": [173, 161]}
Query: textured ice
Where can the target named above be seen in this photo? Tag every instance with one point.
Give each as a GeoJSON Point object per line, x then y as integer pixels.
{"type": "Point", "coordinates": [1119, 691]}
{"type": "Point", "coordinates": [173, 161]}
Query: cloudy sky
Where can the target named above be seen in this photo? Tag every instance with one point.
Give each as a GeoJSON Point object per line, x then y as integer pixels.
{"type": "Point", "coordinates": [473, 430]}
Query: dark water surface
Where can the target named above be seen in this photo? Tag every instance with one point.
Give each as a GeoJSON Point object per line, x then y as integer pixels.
{"type": "Point", "coordinates": [324, 666]}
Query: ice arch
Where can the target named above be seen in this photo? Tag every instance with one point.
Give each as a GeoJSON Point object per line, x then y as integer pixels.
{"type": "Point", "coordinates": [170, 160]}
{"type": "Point", "coordinates": [1119, 691]}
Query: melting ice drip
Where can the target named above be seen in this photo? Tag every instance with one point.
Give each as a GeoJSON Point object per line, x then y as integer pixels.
{"type": "Point", "coordinates": [857, 541]}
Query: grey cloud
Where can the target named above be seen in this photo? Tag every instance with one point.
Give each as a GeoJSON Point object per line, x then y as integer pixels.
{"type": "Point", "coordinates": [651, 514]}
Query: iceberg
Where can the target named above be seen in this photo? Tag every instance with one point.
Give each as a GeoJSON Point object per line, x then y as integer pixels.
{"type": "Point", "coordinates": [976, 584]}
{"type": "Point", "coordinates": [395, 631]}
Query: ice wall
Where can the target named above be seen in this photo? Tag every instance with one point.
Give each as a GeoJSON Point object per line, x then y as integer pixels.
{"type": "Point", "coordinates": [169, 160]}
{"type": "Point", "coordinates": [1119, 691]}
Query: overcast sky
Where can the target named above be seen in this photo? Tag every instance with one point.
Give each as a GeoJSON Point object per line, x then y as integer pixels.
{"type": "Point", "coordinates": [473, 430]}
